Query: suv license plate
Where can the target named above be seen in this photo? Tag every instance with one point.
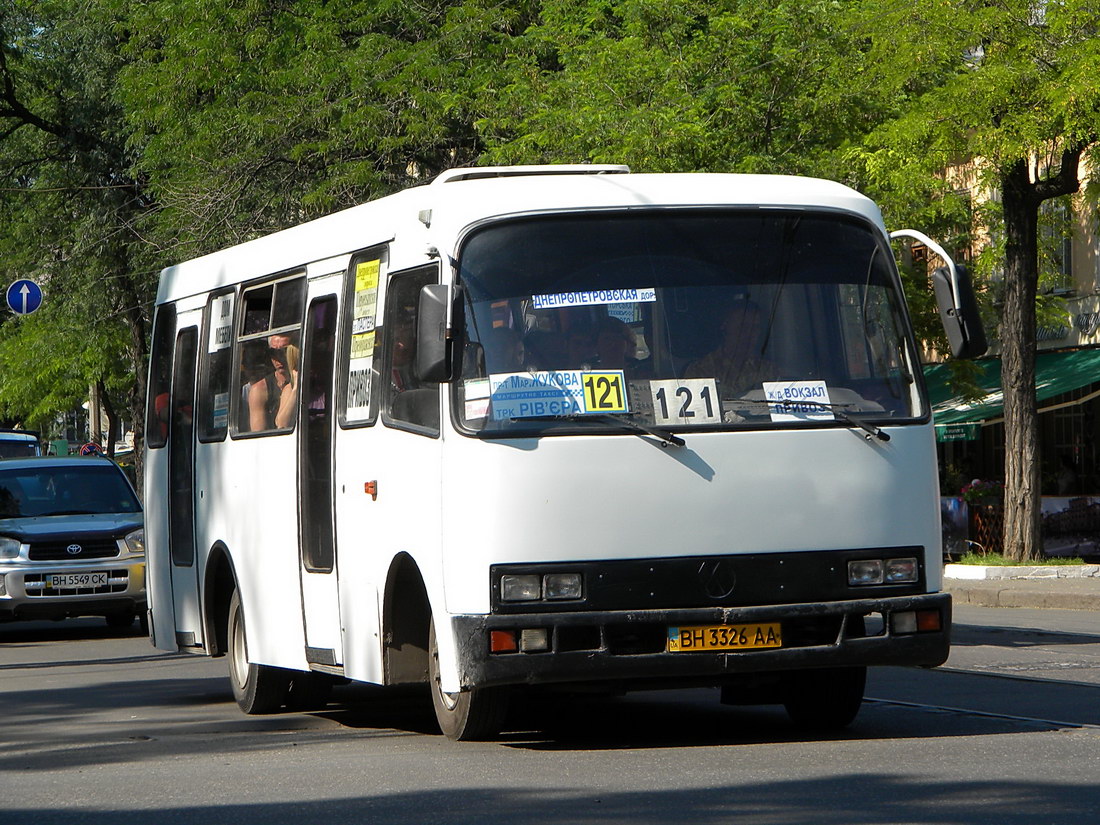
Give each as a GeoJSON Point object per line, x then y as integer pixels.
{"type": "Point", "coordinates": [703, 638]}
{"type": "Point", "coordinates": [61, 581]}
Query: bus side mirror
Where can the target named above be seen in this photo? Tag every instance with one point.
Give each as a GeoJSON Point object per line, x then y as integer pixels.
{"type": "Point", "coordinates": [961, 320]}
{"type": "Point", "coordinates": [433, 361]}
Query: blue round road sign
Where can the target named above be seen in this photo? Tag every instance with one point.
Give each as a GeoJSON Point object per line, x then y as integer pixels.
{"type": "Point", "coordinates": [24, 297]}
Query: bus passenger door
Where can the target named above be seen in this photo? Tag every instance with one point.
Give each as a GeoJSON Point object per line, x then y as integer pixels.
{"type": "Point", "coordinates": [320, 594]}
{"type": "Point", "coordinates": [181, 486]}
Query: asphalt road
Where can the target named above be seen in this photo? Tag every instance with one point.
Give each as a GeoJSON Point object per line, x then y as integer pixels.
{"type": "Point", "coordinates": [98, 728]}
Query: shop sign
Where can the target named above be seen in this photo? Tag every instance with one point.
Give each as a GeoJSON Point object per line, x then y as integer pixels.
{"type": "Point", "coordinates": [957, 432]}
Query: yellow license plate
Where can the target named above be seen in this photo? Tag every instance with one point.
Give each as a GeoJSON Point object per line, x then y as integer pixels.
{"type": "Point", "coordinates": [703, 638]}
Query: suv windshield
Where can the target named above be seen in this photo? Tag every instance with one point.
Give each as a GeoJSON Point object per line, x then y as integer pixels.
{"type": "Point", "coordinates": [68, 490]}
{"type": "Point", "coordinates": [682, 319]}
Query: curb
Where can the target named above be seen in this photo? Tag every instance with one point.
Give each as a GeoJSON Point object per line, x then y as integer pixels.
{"type": "Point", "coordinates": [992, 595]}
{"type": "Point", "coordinates": [974, 572]}
{"type": "Point", "coordinates": [1063, 587]}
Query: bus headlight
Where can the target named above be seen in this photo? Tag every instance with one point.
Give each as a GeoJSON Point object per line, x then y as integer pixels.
{"type": "Point", "coordinates": [562, 586]}
{"type": "Point", "coordinates": [520, 588]}
{"type": "Point", "coordinates": [900, 571]}
{"type": "Point", "coordinates": [883, 571]}
{"type": "Point", "coordinates": [865, 571]}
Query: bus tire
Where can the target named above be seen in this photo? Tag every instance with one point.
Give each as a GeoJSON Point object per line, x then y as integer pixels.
{"type": "Point", "coordinates": [826, 699]}
{"type": "Point", "coordinates": [471, 715]}
{"type": "Point", "coordinates": [257, 688]}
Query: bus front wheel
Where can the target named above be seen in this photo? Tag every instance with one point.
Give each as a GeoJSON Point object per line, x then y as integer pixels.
{"type": "Point", "coordinates": [826, 699]}
{"type": "Point", "coordinates": [469, 715]}
{"type": "Point", "coordinates": [257, 688]}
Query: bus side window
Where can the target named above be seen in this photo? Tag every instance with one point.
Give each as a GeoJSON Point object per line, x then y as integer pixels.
{"type": "Point", "coordinates": [407, 399]}
{"type": "Point", "coordinates": [215, 371]}
{"type": "Point", "coordinates": [269, 341]}
{"type": "Point", "coordinates": [156, 416]}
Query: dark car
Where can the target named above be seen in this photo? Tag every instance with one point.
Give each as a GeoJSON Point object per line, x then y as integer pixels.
{"type": "Point", "coordinates": [72, 541]}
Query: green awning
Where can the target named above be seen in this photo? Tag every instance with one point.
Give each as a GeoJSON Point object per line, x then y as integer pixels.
{"type": "Point", "coordinates": [1056, 373]}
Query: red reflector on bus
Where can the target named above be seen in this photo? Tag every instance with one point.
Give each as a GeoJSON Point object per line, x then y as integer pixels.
{"type": "Point", "coordinates": [928, 620]}
{"type": "Point", "coordinates": [503, 641]}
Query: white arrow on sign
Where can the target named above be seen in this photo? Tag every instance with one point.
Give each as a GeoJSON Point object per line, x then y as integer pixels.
{"type": "Point", "coordinates": [25, 291]}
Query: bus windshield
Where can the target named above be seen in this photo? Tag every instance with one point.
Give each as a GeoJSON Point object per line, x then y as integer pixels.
{"type": "Point", "coordinates": [682, 319]}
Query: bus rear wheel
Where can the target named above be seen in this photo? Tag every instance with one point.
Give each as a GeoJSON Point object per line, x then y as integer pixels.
{"type": "Point", "coordinates": [469, 715]}
{"type": "Point", "coordinates": [826, 699]}
{"type": "Point", "coordinates": [257, 688]}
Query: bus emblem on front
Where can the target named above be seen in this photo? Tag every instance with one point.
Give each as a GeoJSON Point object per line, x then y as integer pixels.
{"type": "Point", "coordinates": [718, 578]}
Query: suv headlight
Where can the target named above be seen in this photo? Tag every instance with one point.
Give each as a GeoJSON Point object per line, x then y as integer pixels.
{"type": "Point", "coordinates": [135, 542]}
{"type": "Point", "coordinates": [9, 548]}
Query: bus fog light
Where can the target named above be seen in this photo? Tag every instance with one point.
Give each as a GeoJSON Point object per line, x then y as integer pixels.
{"type": "Point", "coordinates": [534, 639]}
{"type": "Point", "coordinates": [865, 571]}
{"type": "Point", "coordinates": [902, 623]}
{"type": "Point", "coordinates": [3, 586]}
{"type": "Point", "coordinates": [520, 588]}
{"type": "Point", "coordinates": [562, 586]}
{"type": "Point", "coordinates": [900, 571]}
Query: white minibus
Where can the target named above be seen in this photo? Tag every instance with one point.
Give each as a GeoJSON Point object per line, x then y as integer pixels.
{"type": "Point", "coordinates": [532, 429]}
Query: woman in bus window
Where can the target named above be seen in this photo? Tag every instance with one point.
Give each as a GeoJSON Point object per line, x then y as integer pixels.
{"type": "Point", "coordinates": [271, 394]}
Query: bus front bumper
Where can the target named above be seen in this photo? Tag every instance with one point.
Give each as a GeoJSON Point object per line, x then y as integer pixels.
{"type": "Point", "coordinates": [633, 646]}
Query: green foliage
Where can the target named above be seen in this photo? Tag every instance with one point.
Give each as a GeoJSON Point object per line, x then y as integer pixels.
{"type": "Point", "coordinates": [49, 360]}
{"type": "Point", "coordinates": [997, 560]}
{"type": "Point", "coordinates": [72, 214]}
{"type": "Point", "coordinates": [679, 85]}
{"type": "Point", "coordinates": [280, 112]}
{"type": "Point", "coordinates": [992, 82]}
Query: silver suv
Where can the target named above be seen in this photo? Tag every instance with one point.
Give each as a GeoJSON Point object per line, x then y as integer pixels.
{"type": "Point", "coordinates": [71, 541]}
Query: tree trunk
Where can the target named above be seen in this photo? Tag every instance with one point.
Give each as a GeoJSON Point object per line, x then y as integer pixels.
{"type": "Point", "coordinates": [1021, 282]}
{"type": "Point", "coordinates": [1021, 198]}
{"type": "Point", "coordinates": [138, 357]}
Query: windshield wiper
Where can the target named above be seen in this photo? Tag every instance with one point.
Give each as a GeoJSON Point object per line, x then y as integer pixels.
{"type": "Point", "coordinates": [664, 436]}
{"type": "Point", "coordinates": [838, 410]}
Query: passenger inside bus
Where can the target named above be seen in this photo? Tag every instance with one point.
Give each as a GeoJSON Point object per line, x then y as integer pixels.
{"type": "Point", "coordinates": [506, 352]}
{"type": "Point", "coordinates": [616, 348]}
{"type": "Point", "coordinates": [270, 383]}
{"type": "Point", "coordinates": [738, 363]}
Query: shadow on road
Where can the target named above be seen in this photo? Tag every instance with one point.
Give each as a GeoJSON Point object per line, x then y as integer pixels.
{"type": "Point", "coordinates": [969, 635]}
{"type": "Point", "coordinates": [839, 799]}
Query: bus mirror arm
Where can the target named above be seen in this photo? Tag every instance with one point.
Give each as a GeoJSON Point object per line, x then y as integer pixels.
{"type": "Point", "coordinates": [433, 345]}
{"type": "Point", "coordinates": [955, 298]}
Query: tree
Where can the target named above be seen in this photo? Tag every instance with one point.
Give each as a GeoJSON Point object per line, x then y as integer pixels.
{"type": "Point", "coordinates": [73, 213]}
{"type": "Point", "coordinates": [285, 111]}
{"type": "Point", "coordinates": [679, 85]}
{"type": "Point", "coordinates": [1010, 87]}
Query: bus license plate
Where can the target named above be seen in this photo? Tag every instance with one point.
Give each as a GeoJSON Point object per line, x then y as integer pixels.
{"type": "Point", "coordinates": [62, 581]}
{"type": "Point", "coordinates": [703, 638]}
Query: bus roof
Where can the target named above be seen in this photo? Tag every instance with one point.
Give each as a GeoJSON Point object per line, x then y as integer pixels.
{"type": "Point", "coordinates": [437, 213]}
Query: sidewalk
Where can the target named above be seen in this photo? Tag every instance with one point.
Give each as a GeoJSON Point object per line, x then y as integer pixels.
{"type": "Point", "coordinates": [1067, 588]}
